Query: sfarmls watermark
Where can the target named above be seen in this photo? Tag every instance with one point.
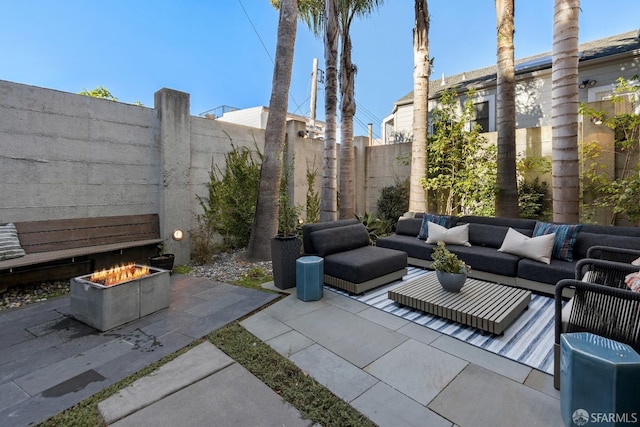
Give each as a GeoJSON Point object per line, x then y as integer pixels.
{"type": "Point", "coordinates": [581, 417]}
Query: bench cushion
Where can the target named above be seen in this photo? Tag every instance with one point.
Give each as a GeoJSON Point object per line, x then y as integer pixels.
{"type": "Point", "coordinates": [332, 240]}
{"type": "Point", "coordinates": [365, 263]}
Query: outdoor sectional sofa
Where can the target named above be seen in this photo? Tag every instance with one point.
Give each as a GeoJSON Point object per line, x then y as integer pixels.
{"type": "Point", "coordinates": [487, 234]}
{"type": "Point", "coordinates": [350, 262]}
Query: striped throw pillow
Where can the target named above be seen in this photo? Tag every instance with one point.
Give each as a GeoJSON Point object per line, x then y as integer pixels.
{"type": "Point", "coordinates": [9, 243]}
{"type": "Point", "coordinates": [566, 235]}
{"type": "Point", "coordinates": [436, 219]}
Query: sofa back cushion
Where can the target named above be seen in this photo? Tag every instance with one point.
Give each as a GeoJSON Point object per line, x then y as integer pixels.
{"type": "Point", "coordinates": [586, 239]}
{"type": "Point", "coordinates": [515, 223]}
{"type": "Point", "coordinates": [491, 236]}
{"type": "Point", "coordinates": [339, 239]}
{"type": "Point", "coordinates": [409, 227]}
{"type": "Point", "coordinates": [307, 229]}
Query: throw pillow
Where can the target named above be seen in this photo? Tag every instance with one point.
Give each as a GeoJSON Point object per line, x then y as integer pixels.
{"type": "Point", "coordinates": [636, 262]}
{"type": "Point", "coordinates": [535, 248]}
{"type": "Point", "coordinates": [566, 235]}
{"type": "Point", "coordinates": [9, 243]}
{"type": "Point", "coordinates": [436, 219]}
{"type": "Point", "coordinates": [458, 235]}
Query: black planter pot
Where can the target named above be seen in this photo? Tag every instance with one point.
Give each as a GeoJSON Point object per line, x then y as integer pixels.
{"type": "Point", "coordinates": [284, 253]}
{"type": "Point", "coordinates": [164, 261]}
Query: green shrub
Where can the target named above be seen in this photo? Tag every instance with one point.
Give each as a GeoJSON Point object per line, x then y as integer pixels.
{"type": "Point", "coordinates": [393, 202]}
{"type": "Point", "coordinates": [533, 200]}
{"type": "Point", "coordinates": [233, 194]}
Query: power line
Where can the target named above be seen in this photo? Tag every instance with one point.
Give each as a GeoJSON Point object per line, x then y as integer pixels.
{"type": "Point", "coordinates": [255, 30]}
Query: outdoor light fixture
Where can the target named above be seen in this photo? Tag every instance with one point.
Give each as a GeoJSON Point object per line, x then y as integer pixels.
{"type": "Point", "coordinates": [596, 120]}
{"type": "Point", "coordinates": [177, 234]}
{"type": "Point", "coordinates": [586, 83]}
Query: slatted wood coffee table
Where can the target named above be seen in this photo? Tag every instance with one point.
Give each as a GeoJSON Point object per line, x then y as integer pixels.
{"type": "Point", "coordinates": [487, 306]}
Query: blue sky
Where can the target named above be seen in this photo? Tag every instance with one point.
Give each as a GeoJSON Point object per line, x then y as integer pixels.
{"type": "Point", "coordinates": [220, 51]}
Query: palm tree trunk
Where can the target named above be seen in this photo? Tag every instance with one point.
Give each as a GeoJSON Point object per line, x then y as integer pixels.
{"type": "Point", "coordinates": [564, 112]}
{"type": "Point", "coordinates": [265, 225]}
{"type": "Point", "coordinates": [418, 199]}
{"type": "Point", "coordinates": [328, 196]}
{"type": "Point", "coordinates": [507, 195]}
{"type": "Point", "coordinates": [348, 111]}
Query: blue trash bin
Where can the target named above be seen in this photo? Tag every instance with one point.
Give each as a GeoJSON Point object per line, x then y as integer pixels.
{"type": "Point", "coordinates": [599, 381]}
{"type": "Point", "coordinates": [309, 278]}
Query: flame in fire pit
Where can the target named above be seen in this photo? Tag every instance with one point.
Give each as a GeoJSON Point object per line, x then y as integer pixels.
{"type": "Point", "coordinates": [119, 274]}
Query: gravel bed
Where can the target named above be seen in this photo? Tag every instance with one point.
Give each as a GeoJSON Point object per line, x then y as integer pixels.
{"type": "Point", "coordinates": [224, 267]}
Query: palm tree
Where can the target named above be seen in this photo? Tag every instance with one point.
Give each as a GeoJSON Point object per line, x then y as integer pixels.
{"type": "Point", "coordinates": [348, 9]}
{"type": "Point", "coordinates": [507, 196]}
{"type": "Point", "coordinates": [328, 194]}
{"type": "Point", "coordinates": [564, 112]}
{"type": "Point", "coordinates": [418, 200]}
{"type": "Point", "coordinates": [265, 224]}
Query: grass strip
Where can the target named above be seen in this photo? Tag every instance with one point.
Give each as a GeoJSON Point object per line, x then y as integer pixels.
{"type": "Point", "coordinates": [312, 399]}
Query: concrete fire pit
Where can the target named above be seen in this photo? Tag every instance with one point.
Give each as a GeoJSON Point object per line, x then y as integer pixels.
{"type": "Point", "coordinates": [105, 307]}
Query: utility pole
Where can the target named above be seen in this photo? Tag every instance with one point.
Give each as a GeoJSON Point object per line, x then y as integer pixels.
{"type": "Point", "coordinates": [314, 93]}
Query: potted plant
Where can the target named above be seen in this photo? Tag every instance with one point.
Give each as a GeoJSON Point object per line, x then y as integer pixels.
{"type": "Point", "coordinates": [162, 260]}
{"type": "Point", "coordinates": [450, 270]}
{"type": "Point", "coordinates": [285, 246]}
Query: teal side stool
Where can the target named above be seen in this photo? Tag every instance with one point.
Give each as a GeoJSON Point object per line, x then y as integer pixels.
{"type": "Point", "coordinates": [599, 381]}
{"type": "Point", "coordinates": [309, 278]}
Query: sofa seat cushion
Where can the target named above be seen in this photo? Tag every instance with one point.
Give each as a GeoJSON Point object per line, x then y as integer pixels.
{"type": "Point", "coordinates": [414, 248]}
{"type": "Point", "coordinates": [339, 239]}
{"type": "Point", "coordinates": [546, 273]}
{"type": "Point", "coordinates": [365, 263]}
{"type": "Point", "coordinates": [487, 259]}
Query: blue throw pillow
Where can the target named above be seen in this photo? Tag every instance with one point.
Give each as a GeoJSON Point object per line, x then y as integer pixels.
{"type": "Point", "coordinates": [566, 235]}
{"type": "Point", "coordinates": [442, 220]}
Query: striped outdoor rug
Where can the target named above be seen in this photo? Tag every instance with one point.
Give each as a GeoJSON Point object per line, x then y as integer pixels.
{"type": "Point", "coordinates": [528, 340]}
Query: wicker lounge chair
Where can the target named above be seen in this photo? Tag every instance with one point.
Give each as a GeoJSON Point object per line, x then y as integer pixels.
{"type": "Point", "coordinates": [602, 304]}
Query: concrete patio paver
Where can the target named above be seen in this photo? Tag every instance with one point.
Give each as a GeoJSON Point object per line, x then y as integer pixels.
{"type": "Point", "coordinates": [335, 373]}
{"type": "Point", "coordinates": [367, 341]}
{"type": "Point", "coordinates": [479, 397]}
{"type": "Point", "coordinates": [430, 370]}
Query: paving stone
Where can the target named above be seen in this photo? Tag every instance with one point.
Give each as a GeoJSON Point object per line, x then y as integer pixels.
{"type": "Point", "coordinates": [223, 300]}
{"type": "Point", "coordinates": [419, 333]}
{"type": "Point", "coordinates": [10, 394]}
{"type": "Point", "coordinates": [341, 377]}
{"type": "Point", "coordinates": [212, 401]}
{"type": "Point", "coordinates": [388, 407]}
{"type": "Point", "coordinates": [33, 358]}
{"type": "Point", "coordinates": [13, 335]}
{"type": "Point", "coordinates": [367, 341]}
{"type": "Point", "coordinates": [509, 368]}
{"type": "Point", "coordinates": [543, 382]}
{"type": "Point", "coordinates": [289, 343]}
{"type": "Point", "coordinates": [173, 321]}
{"type": "Point", "coordinates": [264, 326]}
{"type": "Point", "coordinates": [383, 318]}
{"type": "Point", "coordinates": [347, 304]}
{"type": "Point", "coordinates": [215, 291]}
{"type": "Point", "coordinates": [291, 308]}
{"type": "Point", "coordinates": [493, 400]}
{"type": "Point", "coordinates": [417, 370]}
{"type": "Point", "coordinates": [188, 368]}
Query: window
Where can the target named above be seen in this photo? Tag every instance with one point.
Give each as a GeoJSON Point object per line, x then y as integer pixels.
{"type": "Point", "coordinates": [481, 116]}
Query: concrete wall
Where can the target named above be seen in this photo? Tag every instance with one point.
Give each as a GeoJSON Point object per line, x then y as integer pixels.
{"type": "Point", "coordinates": [70, 156]}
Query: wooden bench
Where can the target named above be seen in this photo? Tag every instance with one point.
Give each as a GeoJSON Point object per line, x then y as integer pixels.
{"type": "Point", "coordinates": [63, 248]}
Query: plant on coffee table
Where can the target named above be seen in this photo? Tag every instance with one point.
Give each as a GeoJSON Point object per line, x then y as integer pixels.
{"type": "Point", "coordinates": [450, 270]}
